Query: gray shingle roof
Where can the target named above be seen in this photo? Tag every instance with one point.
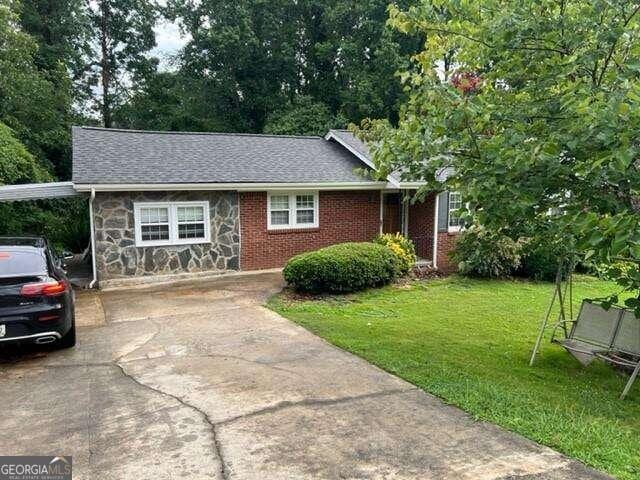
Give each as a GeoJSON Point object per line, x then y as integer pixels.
{"type": "Point", "coordinates": [352, 141]}
{"type": "Point", "coordinates": [110, 156]}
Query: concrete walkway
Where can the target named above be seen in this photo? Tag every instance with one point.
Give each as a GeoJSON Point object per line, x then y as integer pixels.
{"type": "Point", "coordinates": [200, 382]}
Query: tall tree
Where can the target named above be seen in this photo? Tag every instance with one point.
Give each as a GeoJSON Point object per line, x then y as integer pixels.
{"type": "Point", "coordinates": [60, 30]}
{"type": "Point", "coordinates": [303, 117]}
{"type": "Point", "coordinates": [243, 52]}
{"type": "Point", "coordinates": [255, 57]}
{"type": "Point", "coordinates": [354, 57]}
{"type": "Point", "coordinates": [30, 103]}
{"type": "Point", "coordinates": [122, 31]}
{"type": "Point", "coordinates": [538, 123]}
{"type": "Point", "coordinates": [17, 165]}
{"type": "Point", "coordinates": [169, 101]}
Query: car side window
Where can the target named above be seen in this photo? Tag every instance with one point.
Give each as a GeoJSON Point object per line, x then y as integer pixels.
{"type": "Point", "coordinates": [53, 258]}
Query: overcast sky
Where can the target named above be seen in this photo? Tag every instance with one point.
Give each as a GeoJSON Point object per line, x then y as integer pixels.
{"type": "Point", "coordinates": [169, 40]}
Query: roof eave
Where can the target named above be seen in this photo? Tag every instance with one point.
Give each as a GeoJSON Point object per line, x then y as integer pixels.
{"type": "Point", "coordinates": [366, 160]}
{"type": "Point", "coordinates": [241, 187]}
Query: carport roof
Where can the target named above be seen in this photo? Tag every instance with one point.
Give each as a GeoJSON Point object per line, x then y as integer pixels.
{"type": "Point", "coordinates": [112, 156]}
{"type": "Point", "coordinates": [36, 191]}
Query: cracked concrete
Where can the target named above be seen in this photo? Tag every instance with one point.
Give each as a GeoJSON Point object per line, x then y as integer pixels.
{"type": "Point", "coordinates": [200, 381]}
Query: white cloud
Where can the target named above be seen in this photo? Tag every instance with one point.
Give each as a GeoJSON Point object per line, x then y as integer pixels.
{"type": "Point", "coordinates": [169, 40]}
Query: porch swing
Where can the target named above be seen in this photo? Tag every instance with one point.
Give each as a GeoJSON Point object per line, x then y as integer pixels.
{"type": "Point", "coordinates": [610, 334]}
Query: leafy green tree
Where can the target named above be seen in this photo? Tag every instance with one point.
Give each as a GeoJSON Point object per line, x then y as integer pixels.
{"type": "Point", "coordinates": [33, 105]}
{"type": "Point", "coordinates": [353, 57]}
{"type": "Point", "coordinates": [17, 165]}
{"type": "Point", "coordinates": [61, 30]}
{"type": "Point", "coordinates": [538, 118]}
{"type": "Point", "coordinates": [254, 58]}
{"type": "Point", "coordinates": [168, 101]}
{"type": "Point", "coordinates": [243, 53]}
{"type": "Point", "coordinates": [303, 117]}
{"type": "Point", "coordinates": [122, 31]}
{"type": "Point", "coordinates": [64, 222]}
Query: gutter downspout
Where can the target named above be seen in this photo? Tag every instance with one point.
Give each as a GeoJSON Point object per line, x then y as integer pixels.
{"type": "Point", "coordinates": [435, 232]}
{"type": "Point", "coordinates": [240, 232]}
{"type": "Point", "coordinates": [93, 239]}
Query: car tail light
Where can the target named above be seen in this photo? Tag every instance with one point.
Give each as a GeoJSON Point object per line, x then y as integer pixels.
{"type": "Point", "coordinates": [48, 318]}
{"type": "Point", "coordinates": [48, 289]}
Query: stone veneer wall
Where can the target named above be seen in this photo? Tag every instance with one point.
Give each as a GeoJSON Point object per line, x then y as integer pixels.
{"type": "Point", "coordinates": [118, 257]}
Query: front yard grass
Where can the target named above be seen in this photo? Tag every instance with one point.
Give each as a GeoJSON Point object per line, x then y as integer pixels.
{"type": "Point", "coordinates": [469, 341]}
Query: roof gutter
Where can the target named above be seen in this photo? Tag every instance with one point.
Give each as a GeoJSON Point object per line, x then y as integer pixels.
{"type": "Point", "coordinates": [241, 187]}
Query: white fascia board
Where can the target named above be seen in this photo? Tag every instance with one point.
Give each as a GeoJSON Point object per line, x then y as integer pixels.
{"type": "Point", "coordinates": [241, 187]}
{"type": "Point", "coordinates": [331, 136]}
{"type": "Point", "coordinates": [365, 160]}
{"type": "Point", "coordinates": [411, 185]}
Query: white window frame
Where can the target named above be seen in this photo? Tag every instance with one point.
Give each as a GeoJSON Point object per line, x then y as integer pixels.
{"type": "Point", "coordinates": [293, 220]}
{"type": "Point", "coordinates": [453, 228]}
{"type": "Point", "coordinates": [173, 224]}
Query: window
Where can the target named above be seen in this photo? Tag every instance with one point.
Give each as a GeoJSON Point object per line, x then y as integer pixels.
{"type": "Point", "coordinates": [455, 211]}
{"type": "Point", "coordinates": [172, 223]}
{"type": "Point", "coordinates": [191, 222]}
{"type": "Point", "coordinates": [279, 211]}
{"type": "Point", "coordinates": [292, 210]}
{"type": "Point", "coordinates": [154, 224]}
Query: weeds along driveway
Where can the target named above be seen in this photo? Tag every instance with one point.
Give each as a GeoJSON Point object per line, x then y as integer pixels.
{"type": "Point", "coordinates": [200, 381]}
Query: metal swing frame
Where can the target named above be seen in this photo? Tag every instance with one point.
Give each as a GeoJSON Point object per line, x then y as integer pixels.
{"type": "Point", "coordinates": [612, 335]}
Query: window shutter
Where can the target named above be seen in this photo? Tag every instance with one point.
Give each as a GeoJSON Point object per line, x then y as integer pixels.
{"type": "Point", "coordinates": [443, 211]}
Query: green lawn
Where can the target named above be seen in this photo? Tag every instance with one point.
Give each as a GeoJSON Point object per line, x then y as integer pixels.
{"type": "Point", "coordinates": [469, 341]}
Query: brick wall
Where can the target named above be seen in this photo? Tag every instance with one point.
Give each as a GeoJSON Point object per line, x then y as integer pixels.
{"type": "Point", "coordinates": [420, 227]}
{"type": "Point", "coordinates": [446, 243]}
{"type": "Point", "coordinates": [344, 216]}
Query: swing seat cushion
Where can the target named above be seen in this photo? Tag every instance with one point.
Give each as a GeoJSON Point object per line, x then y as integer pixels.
{"type": "Point", "coordinates": [595, 325]}
{"type": "Point", "coordinates": [593, 332]}
{"type": "Point", "coordinates": [584, 352]}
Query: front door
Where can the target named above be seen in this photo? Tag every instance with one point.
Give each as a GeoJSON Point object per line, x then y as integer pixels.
{"type": "Point", "coordinates": [391, 213]}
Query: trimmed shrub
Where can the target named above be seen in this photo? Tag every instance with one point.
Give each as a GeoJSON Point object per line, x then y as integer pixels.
{"type": "Point", "coordinates": [402, 247]}
{"type": "Point", "coordinates": [345, 267]}
{"type": "Point", "coordinates": [482, 253]}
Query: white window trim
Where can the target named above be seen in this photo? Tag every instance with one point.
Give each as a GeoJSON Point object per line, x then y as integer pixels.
{"type": "Point", "coordinates": [173, 224]}
{"type": "Point", "coordinates": [452, 228]}
{"type": "Point", "coordinates": [292, 211]}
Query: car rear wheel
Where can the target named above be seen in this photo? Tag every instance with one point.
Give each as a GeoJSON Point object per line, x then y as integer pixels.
{"type": "Point", "coordinates": [69, 339]}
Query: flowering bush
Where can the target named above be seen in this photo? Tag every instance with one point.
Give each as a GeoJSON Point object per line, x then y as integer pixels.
{"type": "Point", "coordinates": [482, 253]}
{"type": "Point", "coordinates": [403, 249]}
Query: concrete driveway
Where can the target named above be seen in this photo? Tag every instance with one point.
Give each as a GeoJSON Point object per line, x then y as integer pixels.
{"type": "Point", "coordinates": [201, 382]}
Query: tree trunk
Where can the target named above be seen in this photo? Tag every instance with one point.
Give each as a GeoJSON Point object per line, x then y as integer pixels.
{"type": "Point", "coordinates": [104, 64]}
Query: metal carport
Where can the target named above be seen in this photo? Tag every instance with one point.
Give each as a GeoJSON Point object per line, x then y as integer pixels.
{"type": "Point", "coordinates": [46, 191]}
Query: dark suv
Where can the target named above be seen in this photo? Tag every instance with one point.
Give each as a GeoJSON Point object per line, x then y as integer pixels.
{"type": "Point", "coordinates": [36, 298]}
